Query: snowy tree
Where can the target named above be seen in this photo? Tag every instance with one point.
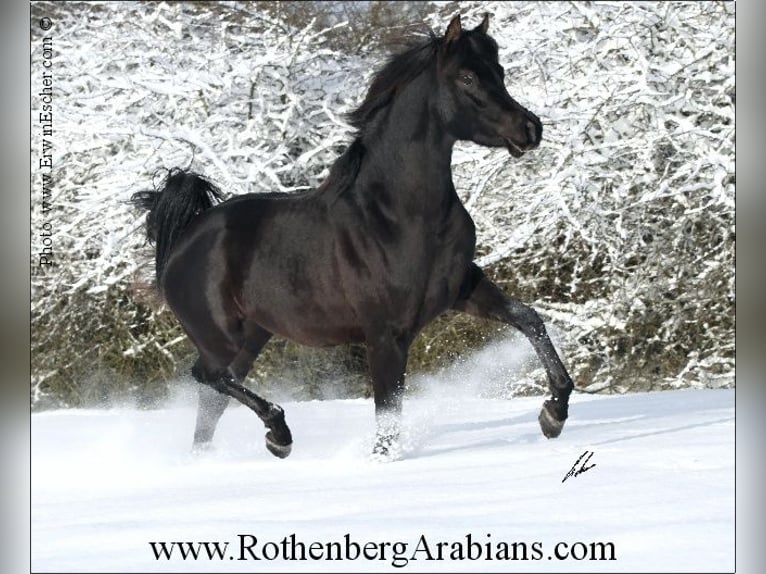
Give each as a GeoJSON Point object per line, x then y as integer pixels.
{"type": "Point", "coordinates": [619, 228]}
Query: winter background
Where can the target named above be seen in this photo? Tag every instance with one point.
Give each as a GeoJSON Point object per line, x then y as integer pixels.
{"type": "Point", "coordinates": [619, 229]}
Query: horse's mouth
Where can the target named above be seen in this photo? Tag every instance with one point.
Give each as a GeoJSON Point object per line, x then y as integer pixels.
{"type": "Point", "coordinates": [513, 149]}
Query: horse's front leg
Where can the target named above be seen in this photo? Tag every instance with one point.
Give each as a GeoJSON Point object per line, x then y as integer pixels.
{"type": "Point", "coordinates": [387, 358]}
{"type": "Point", "coordinates": [482, 298]}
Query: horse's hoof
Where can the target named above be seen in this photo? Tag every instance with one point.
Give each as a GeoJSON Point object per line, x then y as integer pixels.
{"type": "Point", "coordinates": [550, 425]}
{"type": "Point", "coordinates": [278, 450]}
{"type": "Point", "coordinates": [384, 456]}
{"type": "Point", "coordinates": [199, 448]}
{"type": "Point", "coordinates": [386, 449]}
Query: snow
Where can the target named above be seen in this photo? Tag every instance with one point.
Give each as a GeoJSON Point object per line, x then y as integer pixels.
{"type": "Point", "coordinates": [107, 482]}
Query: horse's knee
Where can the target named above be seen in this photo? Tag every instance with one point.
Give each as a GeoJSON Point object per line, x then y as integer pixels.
{"type": "Point", "coordinates": [204, 373]}
{"type": "Point", "coordinates": [526, 319]}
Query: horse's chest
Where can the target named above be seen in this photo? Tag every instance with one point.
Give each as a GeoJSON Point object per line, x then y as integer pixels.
{"type": "Point", "coordinates": [447, 255]}
{"type": "Point", "coordinates": [405, 271]}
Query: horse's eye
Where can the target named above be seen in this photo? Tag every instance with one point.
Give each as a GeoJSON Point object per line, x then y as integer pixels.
{"type": "Point", "coordinates": [466, 79]}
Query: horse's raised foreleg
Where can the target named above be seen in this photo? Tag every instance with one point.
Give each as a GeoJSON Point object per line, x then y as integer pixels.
{"type": "Point", "coordinates": [387, 358]}
{"type": "Point", "coordinates": [482, 298]}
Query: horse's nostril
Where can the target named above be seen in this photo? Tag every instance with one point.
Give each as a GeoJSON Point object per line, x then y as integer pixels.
{"type": "Point", "coordinates": [532, 135]}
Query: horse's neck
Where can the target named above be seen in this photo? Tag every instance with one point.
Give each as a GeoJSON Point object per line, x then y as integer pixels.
{"type": "Point", "coordinates": [410, 153]}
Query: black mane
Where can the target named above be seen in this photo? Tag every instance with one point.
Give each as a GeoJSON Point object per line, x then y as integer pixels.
{"type": "Point", "coordinates": [345, 169]}
{"type": "Point", "coordinates": [400, 70]}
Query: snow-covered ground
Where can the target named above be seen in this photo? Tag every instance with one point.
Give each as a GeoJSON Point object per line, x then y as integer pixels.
{"type": "Point", "coordinates": [106, 483]}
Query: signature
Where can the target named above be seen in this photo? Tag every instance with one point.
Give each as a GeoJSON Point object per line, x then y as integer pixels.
{"type": "Point", "coordinates": [575, 471]}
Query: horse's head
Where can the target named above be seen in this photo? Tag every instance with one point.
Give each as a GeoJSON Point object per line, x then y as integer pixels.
{"type": "Point", "coordinates": [474, 102]}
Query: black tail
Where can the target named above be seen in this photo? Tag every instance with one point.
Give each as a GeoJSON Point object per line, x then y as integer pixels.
{"type": "Point", "coordinates": [181, 197]}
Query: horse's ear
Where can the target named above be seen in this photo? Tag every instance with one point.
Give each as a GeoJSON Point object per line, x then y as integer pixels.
{"type": "Point", "coordinates": [454, 30]}
{"type": "Point", "coordinates": [484, 26]}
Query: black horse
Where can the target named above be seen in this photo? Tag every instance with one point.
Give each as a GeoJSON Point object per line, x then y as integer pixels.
{"type": "Point", "coordinates": [380, 249]}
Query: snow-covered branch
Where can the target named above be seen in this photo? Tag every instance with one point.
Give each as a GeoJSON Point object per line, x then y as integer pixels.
{"type": "Point", "coordinates": [620, 227]}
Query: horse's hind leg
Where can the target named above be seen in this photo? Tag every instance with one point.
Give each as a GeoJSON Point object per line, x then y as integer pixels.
{"type": "Point", "coordinates": [223, 383]}
{"type": "Point", "coordinates": [483, 298]}
{"type": "Point", "coordinates": [279, 439]}
{"type": "Point", "coordinates": [210, 407]}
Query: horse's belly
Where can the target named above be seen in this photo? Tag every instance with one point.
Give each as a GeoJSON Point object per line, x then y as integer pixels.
{"type": "Point", "coordinates": [306, 322]}
{"type": "Point", "coordinates": [320, 334]}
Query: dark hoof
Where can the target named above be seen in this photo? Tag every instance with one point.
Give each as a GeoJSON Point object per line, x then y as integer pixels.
{"type": "Point", "coordinates": [386, 449]}
{"type": "Point", "coordinates": [277, 449]}
{"type": "Point", "coordinates": [549, 422]}
{"type": "Point", "coordinates": [279, 439]}
{"type": "Point", "coordinates": [381, 449]}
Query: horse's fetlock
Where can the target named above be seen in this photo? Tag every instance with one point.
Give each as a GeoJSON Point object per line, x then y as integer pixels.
{"type": "Point", "coordinates": [558, 407]}
{"type": "Point", "coordinates": [273, 415]}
